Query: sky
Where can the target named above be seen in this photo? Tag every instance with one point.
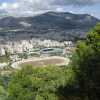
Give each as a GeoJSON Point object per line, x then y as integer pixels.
{"type": "Point", "coordinates": [32, 7]}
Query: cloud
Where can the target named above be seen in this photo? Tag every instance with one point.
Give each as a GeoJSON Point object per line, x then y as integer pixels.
{"type": "Point", "coordinates": [24, 7]}
{"type": "Point", "coordinates": [8, 6]}
{"type": "Point", "coordinates": [81, 2]}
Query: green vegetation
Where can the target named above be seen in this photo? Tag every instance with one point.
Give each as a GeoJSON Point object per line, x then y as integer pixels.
{"type": "Point", "coordinates": [39, 83]}
{"type": "Point", "coordinates": [80, 80]}
{"type": "Point", "coordinates": [3, 86]}
{"type": "Point", "coordinates": [86, 63]}
{"type": "Point", "coordinates": [3, 93]}
{"type": "Point", "coordinates": [3, 59]}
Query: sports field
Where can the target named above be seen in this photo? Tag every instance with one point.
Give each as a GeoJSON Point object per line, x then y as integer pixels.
{"type": "Point", "coordinates": [43, 62]}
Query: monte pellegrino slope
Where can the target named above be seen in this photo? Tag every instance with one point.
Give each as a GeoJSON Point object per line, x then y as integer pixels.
{"type": "Point", "coordinates": [50, 25]}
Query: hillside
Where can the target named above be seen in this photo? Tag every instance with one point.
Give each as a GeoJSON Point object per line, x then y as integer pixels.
{"type": "Point", "coordinates": [50, 25]}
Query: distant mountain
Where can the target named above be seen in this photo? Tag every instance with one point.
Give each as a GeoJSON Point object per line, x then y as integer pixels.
{"type": "Point", "coordinates": [3, 13]}
{"type": "Point", "coordinates": [50, 25]}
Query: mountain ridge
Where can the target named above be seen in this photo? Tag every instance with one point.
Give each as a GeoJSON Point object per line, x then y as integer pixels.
{"type": "Point", "coordinates": [49, 25]}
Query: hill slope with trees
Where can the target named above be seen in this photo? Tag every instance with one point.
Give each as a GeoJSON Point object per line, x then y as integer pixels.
{"type": "Point", "coordinates": [80, 80]}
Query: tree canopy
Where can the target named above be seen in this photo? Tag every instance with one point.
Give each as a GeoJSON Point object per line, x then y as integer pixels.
{"type": "Point", "coordinates": [39, 83]}
{"type": "Point", "coordinates": [86, 63]}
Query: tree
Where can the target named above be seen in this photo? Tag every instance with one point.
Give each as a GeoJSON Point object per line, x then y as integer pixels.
{"type": "Point", "coordinates": [3, 93]}
{"type": "Point", "coordinates": [39, 83]}
{"type": "Point", "coordinates": [7, 54]}
{"type": "Point", "coordinates": [86, 63]}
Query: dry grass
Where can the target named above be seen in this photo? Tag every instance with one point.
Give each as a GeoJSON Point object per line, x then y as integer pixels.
{"type": "Point", "coordinates": [53, 61]}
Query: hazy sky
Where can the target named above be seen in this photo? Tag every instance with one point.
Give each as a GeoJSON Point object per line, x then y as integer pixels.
{"type": "Point", "coordinates": [29, 7]}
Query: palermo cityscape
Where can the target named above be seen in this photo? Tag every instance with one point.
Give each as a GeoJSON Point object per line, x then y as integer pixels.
{"type": "Point", "coordinates": [49, 49]}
